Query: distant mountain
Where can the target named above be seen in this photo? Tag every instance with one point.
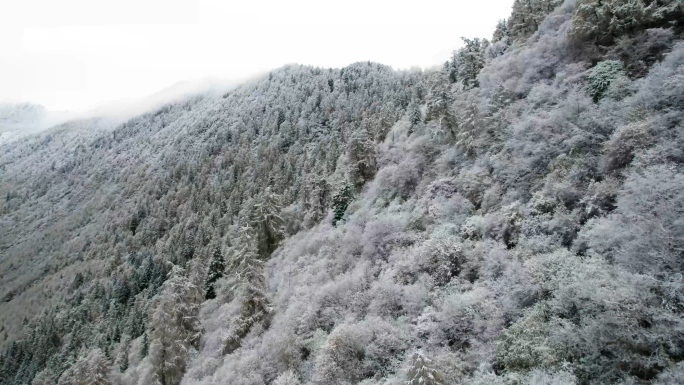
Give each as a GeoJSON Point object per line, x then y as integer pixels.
{"type": "Point", "coordinates": [18, 120]}
{"type": "Point", "coordinates": [21, 119]}
{"type": "Point", "coordinates": [15, 114]}
{"type": "Point", "coordinates": [127, 108]}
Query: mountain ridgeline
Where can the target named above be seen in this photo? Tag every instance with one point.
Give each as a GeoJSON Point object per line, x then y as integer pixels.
{"type": "Point", "coordinates": [514, 217]}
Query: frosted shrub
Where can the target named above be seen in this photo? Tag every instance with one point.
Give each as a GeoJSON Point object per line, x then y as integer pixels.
{"type": "Point", "coordinates": [491, 198]}
{"type": "Point", "coordinates": [387, 297]}
{"type": "Point", "coordinates": [485, 376]}
{"type": "Point", "coordinates": [600, 197]}
{"type": "Point", "coordinates": [353, 352]}
{"type": "Point", "coordinates": [671, 376]}
{"type": "Point", "coordinates": [644, 233]}
{"type": "Point", "coordinates": [341, 359]}
{"type": "Point", "coordinates": [473, 228]}
{"type": "Point", "coordinates": [542, 203]}
{"type": "Point", "coordinates": [44, 377]}
{"type": "Point", "coordinates": [640, 52]}
{"type": "Point", "coordinates": [467, 321]}
{"type": "Point", "coordinates": [472, 184]}
{"type": "Point", "coordinates": [390, 340]}
{"type": "Point", "coordinates": [604, 75]}
{"type": "Point", "coordinates": [513, 287]}
{"type": "Point", "coordinates": [442, 257]}
{"type": "Point", "coordinates": [624, 142]}
{"type": "Point", "coordinates": [381, 235]}
{"type": "Point", "coordinates": [287, 378]}
{"type": "Point", "coordinates": [663, 88]}
{"type": "Point", "coordinates": [543, 377]}
{"type": "Point", "coordinates": [504, 226]}
{"type": "Point", "coordinates": [400, 179]}
{"type": "Point", "coordinates": [527, 344]}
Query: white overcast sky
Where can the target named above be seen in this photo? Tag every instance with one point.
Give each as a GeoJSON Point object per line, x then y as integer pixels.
{"type": "Point", "coordinates": [74, 54]}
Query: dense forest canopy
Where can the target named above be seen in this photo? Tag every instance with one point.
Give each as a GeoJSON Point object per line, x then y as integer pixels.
{"type": "Point", "coordinates": [514, 217]}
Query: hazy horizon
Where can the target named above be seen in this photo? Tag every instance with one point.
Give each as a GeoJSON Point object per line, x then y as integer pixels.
{"type": "Point", "coordinates": [77, 56]}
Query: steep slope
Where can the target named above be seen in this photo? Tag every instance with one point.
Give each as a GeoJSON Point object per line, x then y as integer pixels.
{"type": "Point", "coordinates": [539, 241]}
{"type": "Point", "coordinates": [90, 221]}
{"type": "Point", "coordinates": [513, 218]}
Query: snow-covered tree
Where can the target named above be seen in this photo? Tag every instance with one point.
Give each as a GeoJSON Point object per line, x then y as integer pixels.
{"type": "Point", "coordinates": [501, 32]}
{"type": "Point", "coordinates": [320, 197]}
{"type": "Point", "coordinates": [217, 268]}
{"type": "Point", "coordinates": [603, 21]}
{"type": "Point", "coordinates": [527, 15]}
{"type": "Point", "coordinates": [174, 327]}
{"type": "Point", "coordinates": [440, 106]}
{"type": "Point", "coordinates": [266, 222]}
{"type": "Point", "coordinates": [91, 368]}
{"type": "Point", "coordinates": [341, 201]}
{"type": "Point", "coordinates": [414, 114]}
{"type": "Point", "coordinates": [421, 371]}
{"type": "Point", "coordinates": [469, 125]}
{"type": "Point", "coordinates": [247, 266]}
{"type": "Point", "coordinates": [361, 157]}
{"type": "Point", "coordinates": [604, 75]}
{"type": "Point", "coordinates": [468, 61]}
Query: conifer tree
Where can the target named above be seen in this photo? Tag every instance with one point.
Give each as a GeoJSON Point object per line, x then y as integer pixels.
{"type": "Point", "coordinates": [320, 196]}
{"type": "Point", "coordinates": [602, 76]}
{"type": "Point", "coordinates": [216, 270]}
{"type": "Point", "coordinates": [501, 32]}
{"type": "Point", "coordinates": [496, 119]}
{"type": "Point", "coordinates": [250, 283]}
{"type": "Point", "coordinates": [44, 377]}
{"type": "Point", "coordinates": [469, 126]}
{"type": "Point", "coordinates": [361, 156]}
{"type": "Point", "coordinates": [266, 223]}
{"type": "Point", "coordinates": [440, 106]}
{"type": "Point", "coordinates": [341, 201]}
{"type": "Point", "coordinates": [421, 371]}
{"type": "Point", "coordinates": [91, 368]}
{"type": "Point", "coordinates": [527, 15]}
{"type": "Point", "coordinates": [122, 358]}
{"type": "Point", "coordinates": [414, 114]}
{"type": "Point", "coordinates": [603, 21]}
{"type": "Point", "coordinates": [144, 346]}
{"type": "Point", "coordinates": [469, 60]}
{"type": "Point", "coordinates": [175, 329]}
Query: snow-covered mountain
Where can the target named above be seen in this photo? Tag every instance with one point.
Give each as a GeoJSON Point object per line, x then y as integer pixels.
{"type": "Point", "coordinates": [22, 119]}
{"type": "Point", "coordinates": [513, 218]}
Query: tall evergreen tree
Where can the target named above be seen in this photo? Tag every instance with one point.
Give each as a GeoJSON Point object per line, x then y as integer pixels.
{"type": "Point", "coordinates": [341, 201]}
{"type": "Point", "coordinates": [361, 157]}
{"type": "Point", "coordinates": [527, 15]}
{"type": "Point", "coordinates": [501, 32]}
{"type": "Point", "coordinates": [266, 222]}
{"type": "Point", "coordinates": [469, 125]}
{"type": "Point", "coordinates": [440, 106]}
{"type": "Point", "coordinates": [414, 114]}
{"type": "Point", "coordinates": [144, 346]}
{"type": "Point", "coordinates": [468, 61]}
{"type": "Point", "coordinates": [217, 268]}
{"type": "Point", "coordinates": [174, 327]}
{"type": "Point", "coordinates": [320, 196]}
{"type": "Point", "coordinates": [247, 267]}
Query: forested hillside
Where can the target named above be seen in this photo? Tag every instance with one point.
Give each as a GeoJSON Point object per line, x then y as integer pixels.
{"type": "Point", "coordinates": [514, 217]}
